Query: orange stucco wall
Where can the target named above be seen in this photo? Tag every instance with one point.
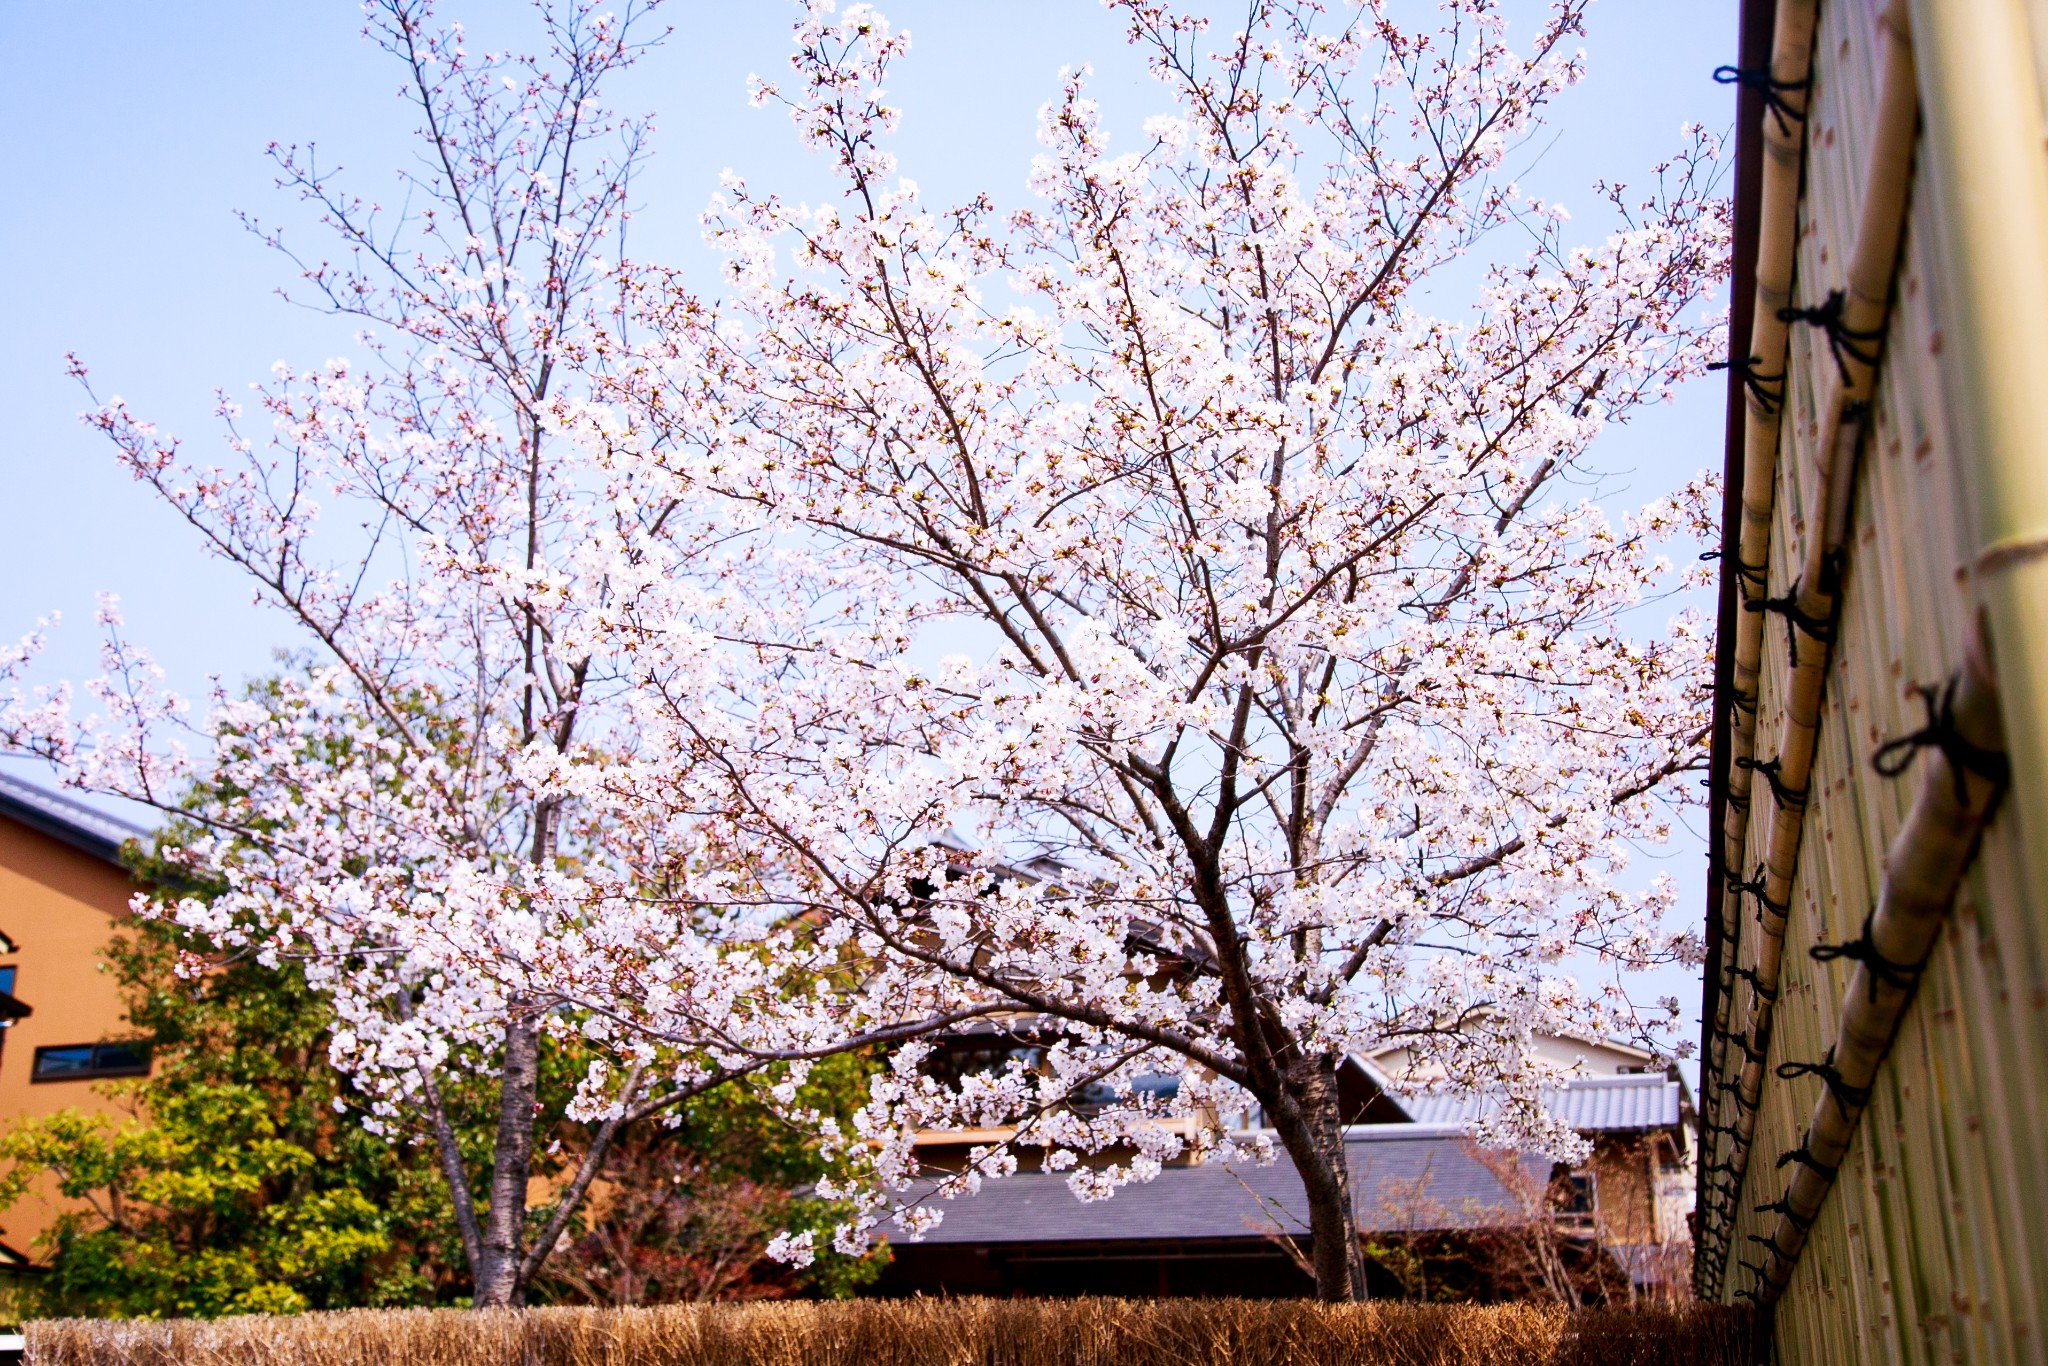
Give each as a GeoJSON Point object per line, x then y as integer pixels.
{"type": "Point", "coordinates": [60, 906]}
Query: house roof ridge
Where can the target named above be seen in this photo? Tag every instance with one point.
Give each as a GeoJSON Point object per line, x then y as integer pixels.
{"type": "Point", "coordinates": [1620, 1080]}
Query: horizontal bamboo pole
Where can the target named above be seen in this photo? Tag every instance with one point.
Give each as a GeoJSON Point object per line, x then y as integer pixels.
{"type": "Point", "coordinates": [1784, 144]}
{"type": "Point", "coordinates": [1854, 336]}
{"type": "Point", "coordinates": [1853, 349]}
{"type": "Point", "coordinates": [1923, 869]}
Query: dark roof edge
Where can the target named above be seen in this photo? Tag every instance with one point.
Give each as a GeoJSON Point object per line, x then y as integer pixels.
{"type": "Point", "coordinates": [1753, 44]}
{"type": "Point", "coordinates": [47, 813]}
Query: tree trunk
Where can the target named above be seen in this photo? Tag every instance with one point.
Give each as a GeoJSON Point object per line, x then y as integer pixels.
{"type": "Point", "coordinates": [1312, 1131]}
{"type": "Point", "coordinates": [498, 1281]}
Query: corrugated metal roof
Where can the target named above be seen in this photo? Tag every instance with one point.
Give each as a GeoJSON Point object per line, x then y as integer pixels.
{"type": "Point", "coordinates": [1403, 1176]}
{"type": "Point", "coordinates": [1588, 1104]}
{"type": "Point", "coordinates": [66, 818]}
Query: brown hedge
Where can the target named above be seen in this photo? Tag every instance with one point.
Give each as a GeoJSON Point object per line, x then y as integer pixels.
{"type": "Point", "coordinates": [923, 1333]}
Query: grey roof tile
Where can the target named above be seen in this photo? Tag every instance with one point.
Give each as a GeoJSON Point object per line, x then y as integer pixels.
{"type": "Point", "coordinates": [1404, 1176]}
{"type": "Point", "coordinates": [1588, 1104]}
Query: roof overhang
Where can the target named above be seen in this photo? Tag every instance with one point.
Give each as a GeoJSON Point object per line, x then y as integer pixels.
{"type": "Point", "coordinates": [67, 820]}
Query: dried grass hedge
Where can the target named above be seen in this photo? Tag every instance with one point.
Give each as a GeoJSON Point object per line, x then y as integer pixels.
{"type": "Point", "coordinates": [923, 1333]}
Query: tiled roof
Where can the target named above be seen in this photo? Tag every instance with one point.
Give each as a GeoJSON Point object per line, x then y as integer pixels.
{"type": "Point", "coordinates": [66, 818]}
{"type": "Point", "coordinates": [1588, 1104]}
{"type": "Point", "coordinates": [1403, 1176]}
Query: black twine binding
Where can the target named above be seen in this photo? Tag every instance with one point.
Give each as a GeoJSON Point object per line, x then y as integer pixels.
{"type": "Point", "coordinates": [1805, 1158]}
{"type": "Point", "coordinates": [1802, 1222]}
{"type": "Point", "coordinates": [1848, 1098]}
{"type": "Point", "coordinates": [1893, 756]}
{"type": "Point", "coordinates": [1787, 797]}
{"type": "Point", "coordinates": [1756, 985]}
{"type": "Point", "coordinates": [1754, 887]}
{"type": "Point", "coordinates": [1772, 1243]}
{"type": "Point", "coordinates": [1760, 79]}
{"type": "Point", "coordinates": [1756, 382]}
{"type": "Point", "coordinates": [1843, 340]}
{"type": "Point", "coordinates": [1861, 949]}
{"type": "Point", "coordinates": [1821, 629]}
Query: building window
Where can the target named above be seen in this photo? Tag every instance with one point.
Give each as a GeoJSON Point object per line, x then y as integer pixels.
{"type": "Point", "coordinates": [7, 979]}
{"type": "Point", "coordinates": [1573, 1198]}
{"type": "Point", "coordinates": [74, 1062]}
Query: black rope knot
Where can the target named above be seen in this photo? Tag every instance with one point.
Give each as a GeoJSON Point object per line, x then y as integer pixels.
{"type": "Point", "coordinates": [1774, 91]}
{"type": "Point", "coordinates": [1862, 949]}
{"type": "Point", "coordinates": [1754, 887]}
{"type": "Point", "coordinates": [1848, 1098]}
{"type": "Point", "coordinates": [1844, 342]}
{"type": "Point", "coordinates": [1894, 756]}
{"type": "Point", "coordinates": [1802, 1222]}
{"type": "Point", "coordinates": [1821, 629]}
{"type": "Point", "coordinates": [1772, 1243]}
{"type": "Point", "coordinates": [1805, 1158]}
{"type": "Point", "coordinates": [1756, 985]}
{"type": "Point", "coordinates": [1787, 797]}
{"type": "Point", "coordinates": [1756, 382]}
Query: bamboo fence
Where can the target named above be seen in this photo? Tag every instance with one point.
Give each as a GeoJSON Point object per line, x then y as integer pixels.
{"type": "Point", "coordinates": [1874, 1167]}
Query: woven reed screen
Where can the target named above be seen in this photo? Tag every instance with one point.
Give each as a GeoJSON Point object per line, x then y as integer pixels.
{"type": "Point", "coordinates": [1934, 1243]}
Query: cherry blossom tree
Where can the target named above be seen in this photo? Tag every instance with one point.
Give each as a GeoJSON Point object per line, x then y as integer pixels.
{"type": "Point", "coordinates": [1135, 627]}
{"type": "Point", "coordinates": [1138, 623]}
{"type": "Point", "coordinates": [345, 806]}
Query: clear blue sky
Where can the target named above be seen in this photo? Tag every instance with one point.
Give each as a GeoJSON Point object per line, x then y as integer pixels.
{"type": "Point", "coordinates": [133, 130]}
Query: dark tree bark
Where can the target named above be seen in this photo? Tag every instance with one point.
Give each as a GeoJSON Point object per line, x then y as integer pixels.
{"type": "Point", "coordinates": [498, 1279]}
{"type": "Point", "coordinates": [1310, 1126]}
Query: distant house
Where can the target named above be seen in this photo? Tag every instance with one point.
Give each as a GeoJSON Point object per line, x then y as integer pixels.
{"type": "Point", "coordinates": [63, 1026]}
{"type": "Point", "coordinates": [1418, 1181]}
{"type": "Point", "coordinates": [1645, 1137]}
